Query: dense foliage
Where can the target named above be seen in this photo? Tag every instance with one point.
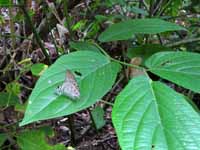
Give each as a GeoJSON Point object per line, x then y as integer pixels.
{"type": "Point", "coordinates": [136, 65]}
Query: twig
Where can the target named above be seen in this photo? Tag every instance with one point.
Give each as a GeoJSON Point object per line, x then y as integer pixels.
{"type": "Point", "coordinates": [68, 19]}
{"type": "Point", "coordinates": [164, 8]}
{"type": "Point", "coordinates": [38, 39]}
{"type": "Point", "coordinates": [53, 39]}
{"type": "Point", "coordinates": [151, 8]}
{"type": "Point", "coordinates": [12, 26]}
{"type": "Point", "coordinates": [145, 4]}
{"type": "Point", "coordinates": [157, 7]}
{"type": "Point", "coordinates": [72, 129]}
{"type": "Point", "coordinates": [17, 36]}
{"type": "Point", "coordinates": [160, 39]}
{"type": "Point", "coordinates": [118, 61]}
{"type": "Point", "coordinates": [106, 102]}
{"type": "Point", "coordinates": [185, 41]}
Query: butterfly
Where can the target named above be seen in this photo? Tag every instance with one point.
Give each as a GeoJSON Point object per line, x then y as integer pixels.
{"type": "Point", "coordinates": [70, 87]}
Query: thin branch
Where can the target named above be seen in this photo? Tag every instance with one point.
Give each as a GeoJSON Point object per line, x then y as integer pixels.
{"type": "Point", "coordinates": [145, 4]}
{"type": "Point", "coordinates": [157, 7]}
{"type": "Point", "coordinates": [164, 8]}
{"type": "Point", "coordinates": [67, 17]}
{"type": "Point", "coordinates": [38, 39]}
{"type": "Point", "coordinates": [160, 39]}
{"type": "Point", "coordinates": [118, 61]}
{"type": "Point", "coordinates": [185, 41]}
{"type": "Point", "coordinates": [12, 26]}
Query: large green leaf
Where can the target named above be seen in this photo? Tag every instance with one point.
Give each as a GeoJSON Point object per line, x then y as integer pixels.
{"type": "Point", "coordinates": [97, 72]}
{"type": "Point", "coordinates": [84, 46]}
{"type": "Point", "coordinates": [145, 51]}
{"type": "Point", "coordinates": [126, 29]}
{"type": "Point", "coordinates": [149, 115]}
{"type": "Point", "coordinates": [183, 68]}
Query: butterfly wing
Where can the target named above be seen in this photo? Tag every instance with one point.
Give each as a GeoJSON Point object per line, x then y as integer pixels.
{"type": "Point", "coordinates": [70, 86]}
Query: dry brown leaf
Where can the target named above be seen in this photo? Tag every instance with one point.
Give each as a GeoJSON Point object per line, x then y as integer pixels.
{"type": "Point", "coordinates": [132, 72]}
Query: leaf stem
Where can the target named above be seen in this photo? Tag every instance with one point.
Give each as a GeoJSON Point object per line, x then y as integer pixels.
{"type": "Point", "coordinates": [108, 103]}
{"type": "Point", "coordinates": [38, 39]}
{"type": "Point", "coordinates": [118, 61]}
{"type": "Point", "coordinates": [185, 41]}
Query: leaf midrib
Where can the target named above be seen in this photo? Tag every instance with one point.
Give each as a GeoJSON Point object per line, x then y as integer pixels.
{"type": "Point", "coordinates": [109, 62]}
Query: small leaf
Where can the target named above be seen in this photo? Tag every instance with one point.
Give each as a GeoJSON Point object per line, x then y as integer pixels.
{"type": "Point", "coordinates": [84, 46]}
{"type": "Point", "coordinates": [95, 75]}
{"type": "Point", "coordinates": [59, 147]}
{"type": "Point", "coordinates": [8, 99]}
{"type": "Point", "coordinates": [137, 10]}
{"type": "Point", "coordinates": [35, 140]}
{"type": "Point", "coordinates": [114, 2]}
{"type": "Point", "coordinates": [126, 29]}
{"type": "Point", "coordinates": [79, 25]}
{"type": "Point", "coordinates": [182, 68]}
{"type": "Point", "coordinates": [101, 18]}
{"type": "Point", "coordinates": [98, 117]}
{"type": "Point", "coordinates": [5, 3]}
{"type": "Point", "coordinates": [38, 69]}
{"type": "Point", "coordinates": [3, 138]}
{"type": "Point", "coordinates": [13, 87]}
{"type": "Point", "coordinates": [21, 107]}
{"type": "Point", "coordinates": [48, 131]}
{"type": "Point", "coordinates": [148, 113]}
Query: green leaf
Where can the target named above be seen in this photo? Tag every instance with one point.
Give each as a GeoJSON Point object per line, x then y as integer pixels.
{"type": "Point", "coordinates": [3, 138]}
{"type": "Point", "coordinates": [101, 18]}
{"type": "Point", "coordinates": [13, 87]}
{"type": "Point", "coordinates": [96, 76]}
{"type": "Point", "coordinates": [145, 51]}
{"type": "Point", "coordinates": [79, 25]}
{"type": "Point", "coordinates": [137, 10]}
{"type": "Point", "coordinates": [182, 68]}
{"type": "Point", "coordinates": [36, 139]}
{"type": "Point", "coordinates": [70, 148]}
{"type": "Point", "coordinates": [48, 131]}
{"type": "Point", "coordinates": [21, 107]}
{"type": "Point", "coordinates": [126, 29]}
{"type": "Point", "coordinates": [8, 99]}
{"type": "Point", "coordinates": [98, 117]}
{"type": "Point", "coordinates": [59, 147]}
{"type": "Point", "coordinates": [5, 3]}
{"type": "Point", "coordinates": [84, 46]}
{"type": "Point", "coordinates": [38, 69]}
{"type": "Point", "coordinates": [149, 114]}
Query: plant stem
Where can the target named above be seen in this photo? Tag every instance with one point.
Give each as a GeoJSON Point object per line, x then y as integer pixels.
{"type": "Point", "coordinates": [102, 50]}
{"type": "Point", "coordinates": [68, 19]}
{"type": "Point", "coordinates": [38, 39]}
{"type": "Point", "coordinates": [184, 41]}
{"type": "Point", "coordinates": [107, 102]}
{"type": "Point", "coordinates": [72, 129]}
{"type": "Point", "coordinates": [12, 26]}
{"type": "Point", "coordinates": [118, 61]}
{"type": "Point", "coordinates": [127, 64]}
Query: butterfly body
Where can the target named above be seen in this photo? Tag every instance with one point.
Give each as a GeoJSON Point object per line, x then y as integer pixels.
{"type": "Point", "coordinates": [70, 87]}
